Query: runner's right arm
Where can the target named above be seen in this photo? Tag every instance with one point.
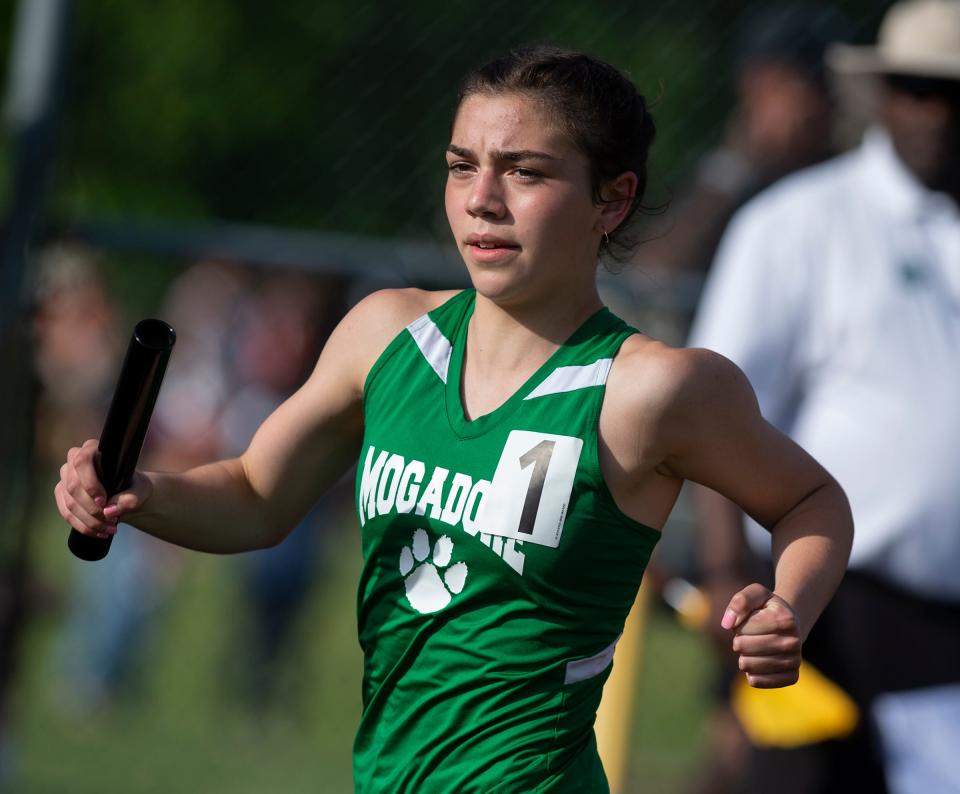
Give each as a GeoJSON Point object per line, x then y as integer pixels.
{"type": "Point", "coordinates": [255, 500]}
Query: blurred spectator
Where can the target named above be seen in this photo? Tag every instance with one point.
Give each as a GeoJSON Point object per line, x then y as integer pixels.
{"type": "Point", "coordinates": [274, 345]}
{"type": "Point", "coordinates": [243, 346]}
{"type": "Point", "coordinates": [838, 293]}
{"type": "Point", "coordinates": [781, 122]}
{"type": "Point", "coordinates": [77, 346]}
{"type": "Point", "coordinates": [104, 636]}
{"type": "Point", "coordinates": [202, 305]}
{"type": "Point", "coordinates": [71, 316]}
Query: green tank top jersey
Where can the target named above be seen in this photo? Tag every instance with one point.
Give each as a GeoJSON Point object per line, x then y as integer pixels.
{"type": "Point", "coordinates": [497, 569]}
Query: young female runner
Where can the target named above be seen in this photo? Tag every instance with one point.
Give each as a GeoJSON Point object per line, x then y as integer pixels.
{"type": "Point", "coordinates": [519, 448]}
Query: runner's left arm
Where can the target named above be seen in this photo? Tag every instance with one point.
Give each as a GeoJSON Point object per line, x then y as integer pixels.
{"type": "Point", "coordinates": [716, 436]}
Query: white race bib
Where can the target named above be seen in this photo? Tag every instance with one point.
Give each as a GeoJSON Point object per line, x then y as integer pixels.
{"type": "Point", "coordinates": [530, 491]}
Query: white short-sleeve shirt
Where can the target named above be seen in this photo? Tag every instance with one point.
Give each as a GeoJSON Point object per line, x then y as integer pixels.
{"type": "Point", "coordinates": [837, 292]}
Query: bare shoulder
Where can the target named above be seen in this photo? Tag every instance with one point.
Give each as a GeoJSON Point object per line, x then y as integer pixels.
{"type": "Point", "coordinates": [665, 393]}
{"type": "Point", "coordinates": [651, 370]}
{"type": "Point", "coordinates": [375, 321]}
{"type": "Point", "coordinates": [383, 314]}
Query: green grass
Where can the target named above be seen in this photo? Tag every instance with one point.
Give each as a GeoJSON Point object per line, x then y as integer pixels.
{"type": "Point", "coordinates": [184, 728]}
{"type": "Point", "coordinates": [671, 707]}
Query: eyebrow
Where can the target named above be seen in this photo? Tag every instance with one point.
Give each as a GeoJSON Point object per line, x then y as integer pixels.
{"type": "Point", "coordinates": [496, 154]}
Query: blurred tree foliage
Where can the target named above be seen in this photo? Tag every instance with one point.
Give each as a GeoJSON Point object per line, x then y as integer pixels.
{"type": "Point", "coordinates": [334, 114]}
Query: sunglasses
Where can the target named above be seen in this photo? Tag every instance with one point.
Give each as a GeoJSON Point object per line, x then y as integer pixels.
{"type": "Point", "coordinates": [921, 87]}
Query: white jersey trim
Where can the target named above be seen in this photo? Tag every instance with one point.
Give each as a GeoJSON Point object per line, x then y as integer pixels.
{"type": "Point", "coordinates": [436, 348]}
{"type": "Point", "coordinates": [582, 669]}
{"type": "Point", "coordinates": [564, 379]}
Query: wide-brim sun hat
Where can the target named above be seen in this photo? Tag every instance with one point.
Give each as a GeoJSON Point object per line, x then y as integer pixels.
{"type": "Point", "coordinates": [917, 37]}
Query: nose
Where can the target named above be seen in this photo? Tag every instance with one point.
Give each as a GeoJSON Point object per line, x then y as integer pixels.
{"type": "Point", "coordinates": [486, 197]}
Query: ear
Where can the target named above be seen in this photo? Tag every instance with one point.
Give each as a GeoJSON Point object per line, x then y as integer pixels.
{"type": "Point", "coordinates": [617, 195]}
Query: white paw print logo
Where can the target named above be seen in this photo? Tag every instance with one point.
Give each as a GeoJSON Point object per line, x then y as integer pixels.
{"type": "Point", "coordinates": [426, 590]}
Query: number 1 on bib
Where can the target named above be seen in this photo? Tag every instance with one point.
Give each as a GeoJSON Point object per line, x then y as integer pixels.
{"type": "Point", "coordinates": [530, 490]}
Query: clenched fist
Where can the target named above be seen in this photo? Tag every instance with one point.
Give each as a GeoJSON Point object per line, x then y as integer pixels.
{"type": "Point", "coordinates": [766, 637]}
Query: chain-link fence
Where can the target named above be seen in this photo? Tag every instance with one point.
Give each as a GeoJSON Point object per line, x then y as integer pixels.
{"type": "Point", "coordinates": [335, 116]}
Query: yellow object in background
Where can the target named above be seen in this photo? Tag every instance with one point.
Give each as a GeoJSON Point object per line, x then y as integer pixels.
{"type": "Point", "coordinates": [689, 602]}
{"type": "Point", "coordinates": [813, 710]}
{"type": "Point", "coordinates": [614, 725]}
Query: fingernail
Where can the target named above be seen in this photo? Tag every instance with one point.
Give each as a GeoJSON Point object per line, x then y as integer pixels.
{"type": "Point", "coordinates": [729, 619]}
{"type": "Point", "coordinates": [111, 512]}
{"type": "Point", "coordinates": [100, 501]}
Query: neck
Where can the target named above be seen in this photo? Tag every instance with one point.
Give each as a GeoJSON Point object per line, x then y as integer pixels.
{"type": "Point", "coordinates": [507, 344]}
{"type": "Point", "coordinates": [937, 173]}
{"type": "Point", "coordinates": [510, 337]}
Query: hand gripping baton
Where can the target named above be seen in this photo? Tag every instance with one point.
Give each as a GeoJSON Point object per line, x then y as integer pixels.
{"type": "Point", "coordinates": [127, 420]}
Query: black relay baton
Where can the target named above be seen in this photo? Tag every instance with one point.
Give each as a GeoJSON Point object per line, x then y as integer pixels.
{"type": "Point", "coordinates": [127, 420]}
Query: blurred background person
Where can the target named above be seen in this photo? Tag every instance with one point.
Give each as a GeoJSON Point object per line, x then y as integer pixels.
{"type": "Point", "coordinates": [274, 344]}
{"type": "Point", "coordinates": [781, 122]}
{"type": "Point", "coordinates": [244, 344]}
{"type": "Point", "coordinates": [838, 293]}
{"type": "Point", "coordinates": [103, 641]}
{"type": "Point", "coordinates": [77, 342]}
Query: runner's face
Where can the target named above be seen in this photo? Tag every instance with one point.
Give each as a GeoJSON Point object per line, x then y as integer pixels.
{"type": "Point", "coordinates": [519, 200]}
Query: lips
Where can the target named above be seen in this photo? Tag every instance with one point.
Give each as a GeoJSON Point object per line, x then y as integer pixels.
{"type": "Point", "coordinates": [488, 242]}
{"type": "Point", "coordinates": [488, 249]}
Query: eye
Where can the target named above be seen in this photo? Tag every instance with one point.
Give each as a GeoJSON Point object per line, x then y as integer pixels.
{"type": "Point", "coordinates": [460, 168]}
{"type": "Point", "coordinates": [526, 174]}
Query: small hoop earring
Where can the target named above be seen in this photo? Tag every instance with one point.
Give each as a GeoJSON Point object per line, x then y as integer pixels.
{"type": "Point", "coordinates": [606, 238]}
